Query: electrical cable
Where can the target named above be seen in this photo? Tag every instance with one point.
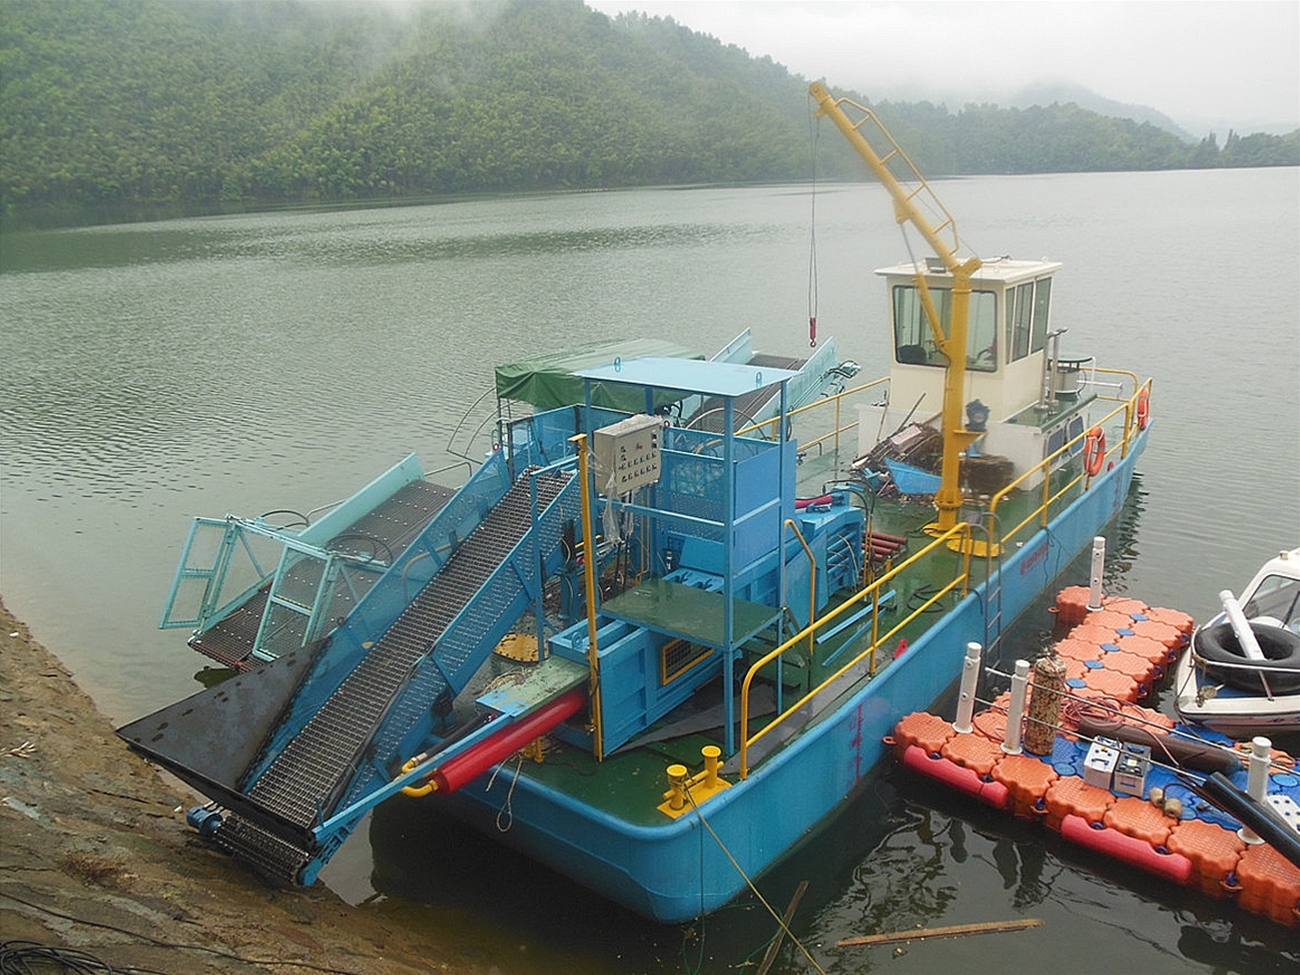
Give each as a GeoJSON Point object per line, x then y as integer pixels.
{"type": "Point", "coordinates": [30, 957]}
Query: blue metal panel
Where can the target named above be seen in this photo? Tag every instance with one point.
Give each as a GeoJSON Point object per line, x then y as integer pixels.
{"type": "Point", "coordinates": [797, 571]}
{"type": "Point", "coordinates": [688, 375]}
{"type": "Point", "coordinates": [702, 554]}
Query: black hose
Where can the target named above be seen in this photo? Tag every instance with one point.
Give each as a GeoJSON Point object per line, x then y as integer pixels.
{"type": "Point", "coordinates": [1259, 816]}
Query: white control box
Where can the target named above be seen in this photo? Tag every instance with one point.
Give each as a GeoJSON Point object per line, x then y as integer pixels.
{"type": "Point", "coordinates": [627, 454]}
{"type": "Point", "coordinates": [1099, 763]}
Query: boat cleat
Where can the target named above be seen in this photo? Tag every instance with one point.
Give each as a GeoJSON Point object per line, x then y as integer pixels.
{"type": "Point", "coordinates": [687, 792]}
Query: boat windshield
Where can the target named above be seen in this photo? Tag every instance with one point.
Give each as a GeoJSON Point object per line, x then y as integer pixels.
{"type": "Point", "coordinates": [1276, 599]}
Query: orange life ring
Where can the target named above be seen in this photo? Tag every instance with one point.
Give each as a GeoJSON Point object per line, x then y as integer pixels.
{"type": "Point", "coordinates": [1144, 408]}
{"type": "Point", "coordinates": [1094, 451]}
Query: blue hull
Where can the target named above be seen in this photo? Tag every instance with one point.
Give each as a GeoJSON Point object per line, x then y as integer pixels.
{"type": "Point", "coordinates": [677, 871]}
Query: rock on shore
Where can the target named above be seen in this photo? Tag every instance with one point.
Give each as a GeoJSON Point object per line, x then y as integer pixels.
{"type": "Point", "coordinates": [94, 855]}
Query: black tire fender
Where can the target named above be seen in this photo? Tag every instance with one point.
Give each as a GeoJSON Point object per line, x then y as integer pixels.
{"type": "Point", "coordinates": [1281, 647]}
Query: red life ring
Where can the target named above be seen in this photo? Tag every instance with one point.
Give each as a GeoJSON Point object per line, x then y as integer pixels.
{"type": "Point", "coordinates": [1094, 451]}
{"type": "Point", "coordinates": [1144, 408]}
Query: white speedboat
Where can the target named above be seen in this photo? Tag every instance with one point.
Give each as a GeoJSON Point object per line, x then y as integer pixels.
{"type": "Point", "coordinates": [1241, 691]}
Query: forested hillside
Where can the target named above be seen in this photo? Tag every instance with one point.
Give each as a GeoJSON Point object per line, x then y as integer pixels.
{"type": "Point", "coordinates": [122, 108]}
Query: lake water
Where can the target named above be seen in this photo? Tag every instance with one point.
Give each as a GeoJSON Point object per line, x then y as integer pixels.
{"type": "Point", "coordinates": [150, 373]}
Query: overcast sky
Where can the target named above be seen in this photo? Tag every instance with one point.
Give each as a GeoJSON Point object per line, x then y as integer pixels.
{"type": "Point", "coordinates": [1200, 63]}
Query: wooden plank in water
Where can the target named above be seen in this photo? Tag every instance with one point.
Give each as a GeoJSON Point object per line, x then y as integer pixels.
{"type": "Point", "coordinates": [770, 955]}
{"type": "Point", "coordinates": [955, 930]}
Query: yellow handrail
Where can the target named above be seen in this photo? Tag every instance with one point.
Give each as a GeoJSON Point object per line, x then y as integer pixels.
{"type": "Point", "coordinates": [1042, 513]}
{"type": "Point", "coordinates": [962, 578]}
{"type": "Point", "coordinates": [834, 397]}
{"type": "Point", "coordinates": [871, 592]}
{"type": "Point", "coordinates": [589, 579]}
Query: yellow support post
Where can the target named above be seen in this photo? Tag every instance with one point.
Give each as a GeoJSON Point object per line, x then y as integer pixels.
{"type": "Point", "coordinates": [589, 579]}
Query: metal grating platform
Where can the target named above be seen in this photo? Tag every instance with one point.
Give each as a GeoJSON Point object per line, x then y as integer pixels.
{"type": "Point", "coordinates": [305, 779]}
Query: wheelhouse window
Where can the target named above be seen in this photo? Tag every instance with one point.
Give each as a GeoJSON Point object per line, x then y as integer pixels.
{"type": "Point", "coordinates": [1028, 309]}
{"type": "Point", "coordinates": [914, 342]}
{"type": "Point", "coordinates": [1020, 314]}
{"type": "Point", "coordinates": [1042, 305]}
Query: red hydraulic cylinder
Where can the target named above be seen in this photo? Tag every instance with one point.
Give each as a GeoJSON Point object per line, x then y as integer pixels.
{"type": "Point", "coordinates": [470, 764]}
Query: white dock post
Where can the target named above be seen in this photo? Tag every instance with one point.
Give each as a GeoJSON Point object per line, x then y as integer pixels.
{"type": "Point", "coordinates": [1016, 710]}
{"type": "Point", "coordinates": [1261, 750]}
{"type": "Point", "coordinates": [970, 675]}
{"type": "Point", "coordinates": [1098, 566]}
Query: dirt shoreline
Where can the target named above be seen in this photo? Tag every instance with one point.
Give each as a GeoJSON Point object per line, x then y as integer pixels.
{"type": "Point", "coordinates": [94, 855]}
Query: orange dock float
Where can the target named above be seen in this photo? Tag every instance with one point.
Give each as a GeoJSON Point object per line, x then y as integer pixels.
{"type": "Point", "coordinates": [1117, 778]}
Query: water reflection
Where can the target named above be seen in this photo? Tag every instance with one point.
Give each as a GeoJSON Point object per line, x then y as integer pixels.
{"type": "Point", "coordinates": [1229, 952]}
{"type": "Point", "coordinates": [366, 238]}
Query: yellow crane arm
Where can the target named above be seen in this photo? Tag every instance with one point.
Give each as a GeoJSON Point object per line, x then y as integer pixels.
{"type": "Point", "coordinates": [952, 343]}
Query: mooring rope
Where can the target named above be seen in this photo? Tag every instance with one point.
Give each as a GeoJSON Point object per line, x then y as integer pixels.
{"type": "Point", "coordinates": [741, 870]}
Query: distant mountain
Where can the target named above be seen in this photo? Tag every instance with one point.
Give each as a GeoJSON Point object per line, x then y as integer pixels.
{"type": "Point", "coordinates": [1057, 92]}
{"type": "Point", "coordinates": [1064, 92]}
{"type": "Point", "coordinates": [1221, 126]}
{"type": "Point", "coordinates": [1189, 129]}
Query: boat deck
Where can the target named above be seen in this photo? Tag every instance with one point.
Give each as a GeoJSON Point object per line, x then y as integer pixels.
{"type": "Point", "coordinates": [629, 783]}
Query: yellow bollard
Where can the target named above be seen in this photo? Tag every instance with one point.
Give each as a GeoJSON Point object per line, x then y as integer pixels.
{"type": "Point", "coordinates": [695, 788]}
{"type": "Point", "coordinates": [711, 754]}
{"type": "Point", "coordinates": [677, 779]}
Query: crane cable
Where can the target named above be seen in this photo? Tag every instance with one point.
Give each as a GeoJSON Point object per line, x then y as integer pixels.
{"type": "Point", "coordinates": [815, 133]}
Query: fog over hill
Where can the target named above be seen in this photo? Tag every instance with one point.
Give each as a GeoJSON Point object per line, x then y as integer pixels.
{"type": "Point", "coordinates": [1049, 92]}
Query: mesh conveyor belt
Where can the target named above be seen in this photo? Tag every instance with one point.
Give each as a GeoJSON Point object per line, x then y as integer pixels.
{"type": "Point", "coordinates": [230, 640]}
{"type": "Point", "coordinates": [395, 522]}
{"type": "Point", "coordinates": [268, 854]}
{"type": "Point", "coordinates": [402, 517]}
{"type": "Point", "coordinates": [302, 781]}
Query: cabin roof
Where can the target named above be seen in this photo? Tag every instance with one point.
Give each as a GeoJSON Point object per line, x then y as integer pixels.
{"type": "Point", "coordinates": [1004, 270]}
{"type": "Point", "coordinates": [550, 380]}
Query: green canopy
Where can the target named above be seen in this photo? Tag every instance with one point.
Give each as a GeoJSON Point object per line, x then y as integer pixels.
{"type": "Point", "coordinates": [547, 381]}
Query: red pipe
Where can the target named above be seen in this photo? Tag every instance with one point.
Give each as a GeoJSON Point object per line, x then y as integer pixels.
{"type": "Point", "coordinates": [473, 762]}
{"type": "Point", "coordinates": [801, 503]}
{"type": "Point", "coordinates": [896, 540]}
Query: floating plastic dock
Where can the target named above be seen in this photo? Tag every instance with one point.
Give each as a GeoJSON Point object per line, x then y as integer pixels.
{"type": "Point", "coordinates": [1118, 778]}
